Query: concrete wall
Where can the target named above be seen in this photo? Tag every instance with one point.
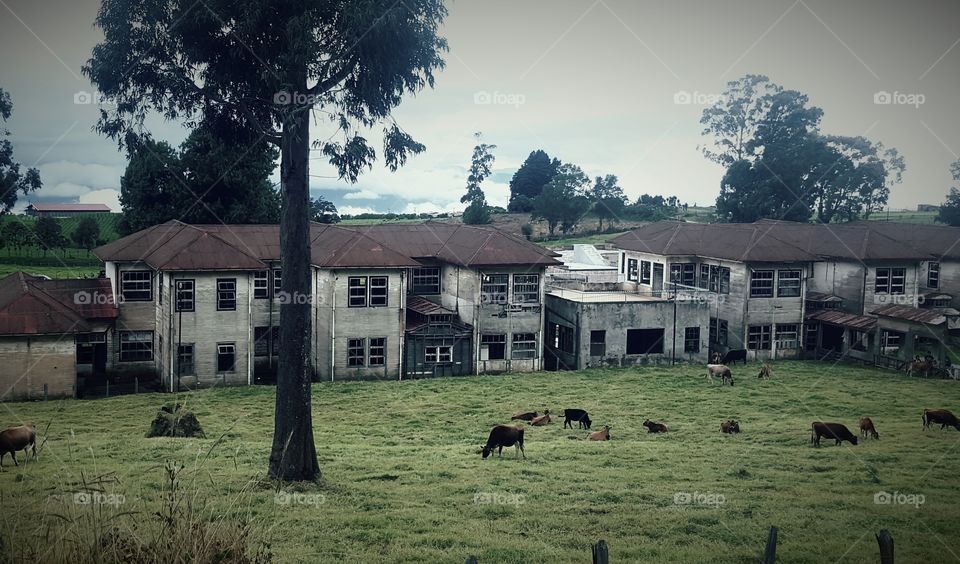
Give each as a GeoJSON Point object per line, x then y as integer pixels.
{"type": "Point", "coordinates": [29, 363]}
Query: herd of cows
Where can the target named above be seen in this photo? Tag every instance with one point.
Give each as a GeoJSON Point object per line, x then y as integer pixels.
{"type": "Point", "coordinates": [512, 435]}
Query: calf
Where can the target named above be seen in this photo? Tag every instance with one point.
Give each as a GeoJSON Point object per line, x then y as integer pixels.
{"type": "Point", "coordinates": [654, 427]}
{"type": "Point", "coordinates": [941, 416]}
{"type": "Point", "coordinates": [867, 428]}
{"type": "Point", "coordinates": [764, 371]}
{"type": "Point", "coordinates": [18, 438]}
{"type": "Point", "coordinates": [602, 435]}
{"type": "Point", "coordinates": [730, 427]}
{"type": "Point", "coordinates": [542, 420]}
{"type": "Point", "coordinates": [834, 431]}
{"type": "Point", "coordinates": [524, 415]}
{"type": "Point", "coordinates": [734, 355]}
{"type": "Point", "coordinates": [580, 416]}
{"type": "Point", "coordinates": [721, 371]}
{"type": "Point", "coordinates": [504, 436]}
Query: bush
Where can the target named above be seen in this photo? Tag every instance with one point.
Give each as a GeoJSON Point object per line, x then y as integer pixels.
{"type": "Point", "coordinates": [174, 421]}
{"type": "Point", "coordinates": [527, 230]}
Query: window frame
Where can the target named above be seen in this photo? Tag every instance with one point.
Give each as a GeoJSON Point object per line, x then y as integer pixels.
{"type": "Point", "coordinates": [124, 356]}
{"type": "Point", "coordinates": [759, 337]}
{"type": "Point", "coordinates": [494, 296]}
{"type": "Point", "coordinates": [382, 292]}
{"type": "Point", "coordinates": [691, 339]}
{"type": "Point", "coordinates": [933, 275]}
{"type": "Point", "coordinates": [277, 281]}
{"type": "Point", "coordinates": [646, 272]}
{"type": "Point", "coordinates": [520, 347]}
{"type": "Point", "coordinates": [125, 293]}
{"type": "Point", "coordinates": [782, 342]}
{"type": "Point", "coordinates": [633, 270]}
{"type": "Point", "coordinates": [598, 342]}
{"type": "Point", "coordinates": [418, 276]}
{"type": "Point", "coordinates": [498, 339]}
{"type": "Point", "coordinates": [261, 285]}
{"type": "Point", "coordinates": [192, 366]}
{"type": "Point", "coordinates": [224, 301]}
{"type": "Point", "coordinates": [790, 279]}
{"type": "Point", "coordinates": [178, 300]}
{"type": "Point", "coordinates": [764, 290]}
{"type": "Point", "coordinates": [441, 354]}
{"type": "Point", "coordinates": [357, 294]}
{"type": "Point", "coordinates": [380, 358]}
{"type": "Point", "coordinates": [652, 349]}
{"type": "Point", "coordinates": [522, 284]}
{"type": "Point", "coordinates": [889, 275]}
{"type": "Point", "coordinates": [356, 352]}
{"type": "Point", "coordinates": [226, 349]}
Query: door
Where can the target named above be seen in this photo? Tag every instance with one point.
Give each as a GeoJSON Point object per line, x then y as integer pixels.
{"type": "Point", "coordinates": [657, 278]}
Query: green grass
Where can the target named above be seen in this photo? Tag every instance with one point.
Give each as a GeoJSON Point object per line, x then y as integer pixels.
{"type": "Point", "coordinates": [51, 271]}
{"type": "Point", "coordinates": [596, 239]}
{"type": "Point", "coordinates": [905, 216]}
{"type": "Point", "coordinates": [402, 469]}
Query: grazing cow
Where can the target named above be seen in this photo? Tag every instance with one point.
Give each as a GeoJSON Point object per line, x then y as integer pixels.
{"type": "Point", "coordinates": [580, 416]}
{"type": "Point", "coordinates": [504, 436]}
{"type": "Point", "coordinates": [941, 416]}
{"type": "Point", "coordinates": [922, 366]}
{"type": "Point", "coordinates": [764, 371]}
{"type": "Point", "coordinates": [542, 420]}
{"type": "Point", "coordinates": [867, 428]}
{"type": "Point", "coordinates": [730, 426]}
{"type": "Point", "coordinates": [734, 355]}
{"type": "Point", "coordinates": [835, 431]}
{"type": "Point", "coordinates": [18, 438]}
{"type": "Point", "coordinates": [524, 415]}
{"type": "Point", "coordinates": [602, 435]}
{"type": "Point", "coordinates": [721, 371]}
{"type": "Point", "coordinates": [654, 427]}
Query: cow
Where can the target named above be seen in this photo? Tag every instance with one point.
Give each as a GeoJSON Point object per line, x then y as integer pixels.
{"type": "Point", "coordinates": [524, 415]}
{"type": "Point", "coordinates": [602, 435]}
{"type": "Point", "coordinates": [730, 426]}
{"type": "Point", "coordinates": [580, 416]}
{"type": "Point", "coordinates": [764, 371]}
{"type": "Point", "coordinates": [717, 358]}
{"type": "Point", "coordinates": [734, 355]}
{"type": "Point", "coordinates": [721, 371]}
{"type": "Point", "coordinates": [867, 428]}
{"type": "Point", "coordinates": [542, 420]}
{"type": "Point", "coordinates": [941, 416]}
{"type": "Point", "coordinates": [835, 431]}
{"type": "Point", "coordinates": [654, 427]}
{"type": "Point", "coordinates": [504, 436]}
{"type": "Point", "coordinates": [18, 438]}
{"type": "Point", "coordinates": [922, 366]}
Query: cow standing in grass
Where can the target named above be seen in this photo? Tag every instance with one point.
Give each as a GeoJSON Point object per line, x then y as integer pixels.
{"type": "Point", "coordinates": [18, 438]}
{"type": "Point", "coordinates": [580, 416]}
{"type": "Point", "coordinates": [719, 371]}
{"type": "Point", "coordinates": [835, 431]}
{"type": "Point", "coordinates": [504, 436]}
{"type": "Point", "coordinates": [867, 428]}
{"type": "Point", "coordinates": [941, 416]}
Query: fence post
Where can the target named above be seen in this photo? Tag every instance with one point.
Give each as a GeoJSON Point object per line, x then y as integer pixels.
{"type": "Point", "coordinates": [886, 546]}
{"type": "Point", "coordinates": [601, 552]}
{"type": "Point", "coordinates": [770, 553]}
{"type": "Point", "coordinates": [45, 392]}
{"type": "Point", "coordinates": [136, 385]}
{"type": "Point", "coordinates": [471, 559]}
{"type": "Point", "coordinates": [108, 387]}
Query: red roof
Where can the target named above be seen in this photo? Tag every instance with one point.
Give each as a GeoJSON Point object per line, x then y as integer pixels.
{"type": "Point", "coordinates": [35, 306]}
{"type": "Point", "coordinates": [70, 207]}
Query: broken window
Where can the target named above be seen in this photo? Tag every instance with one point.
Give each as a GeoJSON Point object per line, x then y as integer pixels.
{"type": "Point", "coordinates": [691, 340]}
{"type": "Point", "coordinates": [598, 343]}
{"type": "Point", "coordinates": [644, 341]}
{"type": "Point", "coordinates": [758, 337]}
{"type": "Point", "coordinates": [495, 344]}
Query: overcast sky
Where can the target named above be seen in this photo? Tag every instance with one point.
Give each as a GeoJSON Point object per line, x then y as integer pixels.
{"type": "Point", "coordinates": [615, 87]}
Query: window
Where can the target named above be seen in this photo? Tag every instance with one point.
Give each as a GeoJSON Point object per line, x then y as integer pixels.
{"type": "Point", "coordinates": [890, 341]}
{"type": "Point", "coordinates": [644, 341]}
{"type": "Point", "coordinates": [761, 284]}
{"type": "Point", "coordinates": [357, 295]}
{"type": "Point", "coordinates": [788, 283]}
{"type": "Point", "coordinates": [890, 281]}
{"type": "Point", "coordinates": [758, 337]}
{"type": "Point", "coordinates": [85, 344]}
{"type": "Point", "coordinates": [704, 280]}
{"type": "Point", "coordinates": [645, 271]}
{"type": "Point", "coordinates": [277, 281]}
{"type": "Point", "coordinates": [226, 294]}
{"type": "Point", "coordinates": [526, 288]}
{"type": "Point", "coordinates": [633, 273]}
{"type": "Point", "coordinates": [813, 331]}
{"type": "Point", "coordinates": [788, 336]}
{"type": "Point", "coordinates": [691, 340]}
{"type": "Point", "coordinates": [426, 280]}
{"type": "Point", "coordinates": [598, 343]}
{"type": "Point", "coordinates": [356, 352]}
{"type": "Point", "coordinates": [496, 346]}
{"type": "Point", "coordinates": [160, 287]}
{"type": "Point", "coordinates": [261, 284]}
{"type": "Point", "coordinates": [136, 286]}
{"type": "Point", "coordinates": [185, 295]}
{"type": "Point", "coordinates": [136, 346]}
{"type": "Point", "coordinates": [378, 351]}
{"type": "Point", "coordinates": [683, 273]}
{"type": "Point", "coordinates": [266, 340]}
{"type": "Point", "coordinates": [493, 289]}
{"type": "Point", "coordinates": [933, 275]}
{"type": "Point", "coordinates": [724, 279]}
{"type": "Point", "coordinates": [378, 291]}
{"type": "Point", "coordinates": [226, 357]}
{"type": "Point", "coordinates": [438, 355]}
{"type": "Point", "coordinates": [185, 364]}
{"type": "Point", "coordinates": [524, 346]}
{"type": "Point", "coordinates": [859, 340]}
{"type": "Point", "coordinates": [561, 337]}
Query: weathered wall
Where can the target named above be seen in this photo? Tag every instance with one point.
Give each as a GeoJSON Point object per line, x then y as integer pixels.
{"type": "Point", "coordinates": [29, 363]}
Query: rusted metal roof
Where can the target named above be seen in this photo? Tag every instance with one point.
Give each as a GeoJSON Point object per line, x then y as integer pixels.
{"type": "Point", "coordinates": [35, 306]}
{"type": "Point", "coordinates": [911, 314]}
{"type": "Point", "coordinates": [822, 297]}
{"type": "Point", "coordinates": [423, 306]}
{"type": "Point", "coordinates": [53, 207]}
{"type": "Point", "coordinates": [844, 319]}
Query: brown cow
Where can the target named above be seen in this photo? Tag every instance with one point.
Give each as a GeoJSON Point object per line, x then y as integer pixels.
{"type": "Point", "coordinates": [867, 428]}
{"type": "Point", "coordinates": [504, 435]}
{"type": "Point", "coordinates": [542, 420]}
{"type": "Point", "coordinates": [18, 438]}
{"type": "Point", "coordinates": [654, 427]}
{"type": "Point", "coordinates": [524, 415]}
{"type": "Point", "coordinates": [764, 371]}
{"type": "Point", "coordinates": [721, 371]}
{"type": "Point", "coordinates": [730, 426]}
{"type": "Point", "coordinates": [602, 435]}
{"type": "Point", "coordinates": [835, 431]}
{"type": "Point", "coordinates": [941, 416]}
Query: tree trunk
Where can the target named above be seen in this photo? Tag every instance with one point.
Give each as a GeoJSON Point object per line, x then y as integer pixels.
{"type": "Point", "coordinates": [294, 456]}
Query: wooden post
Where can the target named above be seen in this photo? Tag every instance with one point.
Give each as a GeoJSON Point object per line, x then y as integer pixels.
{"type": "Point", "coordinates": [886, 546]}
{"type": "Point", "coordinates": [45, 392]}
{"type": "Point", "coordinates": [108, 387]}
{"type": "Point", "coordinates": [471, 559]}
{"type": "Point", "coordinates": [136, 385]}
{"type": "Point", "coordinates": [601, 552]}
{"type": "Point", "coordinates": [770, 553]}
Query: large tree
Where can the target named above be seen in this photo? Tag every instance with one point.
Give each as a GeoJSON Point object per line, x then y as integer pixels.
{"type": "Point", "coordinates": [13, 181]}
{"type": "Point", "coordinates": [950, 210]}
{"type": "Point", "coordinates": [733, 120]}
{"type": "Point", "coordinates": [87, 233]}
{"type": "Point", "coordinates": [152, 189]}
{"type": "Point", "coordinates": [563, 201]}
{"type": "Point", "coordinates": [608, 199]}
{"type": "Point", "coordinates": [528, 182]}
{"type": "Point", "coordinates": [269, 65]}
{"type": "Point", "coordinates": [478, 212]}
{"type": "Point", "coordinates": [323, 210]}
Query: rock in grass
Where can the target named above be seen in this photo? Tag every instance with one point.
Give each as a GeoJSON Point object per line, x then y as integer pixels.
{"type": "Point", "coordinates": [174, 421]}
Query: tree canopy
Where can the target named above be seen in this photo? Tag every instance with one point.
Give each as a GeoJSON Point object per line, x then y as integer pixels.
{"type": "Point", "coordinates": [563, 201]}
{"type": "Point", "coordinates": [528, 182]}
{"type": "Point", "coordinates": [608, 199]}
{"type": "Point", "coordinates": [950, 210]}
{"type": "Point", "coordinates": [13, 181]}
{"type": "Point", "coordinates": [478, 212]}
{"type": "Point", "coordinates": [323, 211]}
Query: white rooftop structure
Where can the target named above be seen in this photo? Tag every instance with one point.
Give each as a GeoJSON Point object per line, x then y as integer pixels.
{"type": "Point", "coordinates": [585, 257]}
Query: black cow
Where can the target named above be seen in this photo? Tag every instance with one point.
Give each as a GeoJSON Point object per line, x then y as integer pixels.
{"type": "Point", "coordinates": [835, 431]}
{"type": "Point", "coordinates": [580, 416]}
{"type": "Point", "coordinates": [733, 355]}
{"type": "Point", "coordinates": [504, 436]}
{"type": "Point", "coordinates": [941, 416]}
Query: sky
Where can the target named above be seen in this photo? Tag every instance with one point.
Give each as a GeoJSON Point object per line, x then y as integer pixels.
{"type": "Point", "coordinates": [615, 87]}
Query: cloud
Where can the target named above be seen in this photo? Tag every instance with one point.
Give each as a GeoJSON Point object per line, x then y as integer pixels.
{"type": "Point", "coordinates": [63, 191]}
{"type": "Point", "coordinates": [362, 195]}
{"type": "Point", "coordinates": [95, 176]}
{"type": "Point", "coordinates": [106, 196]}
{"type": "Point", "coordinates": [354, 210]}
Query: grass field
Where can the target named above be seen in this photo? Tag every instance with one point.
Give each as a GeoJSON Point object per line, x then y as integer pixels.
{"type": "Point", "coordinates": [403, 480]}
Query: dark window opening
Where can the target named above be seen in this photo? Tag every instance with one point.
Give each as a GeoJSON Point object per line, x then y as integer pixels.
{"type": "Point", "coordinates": [644, 341]}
